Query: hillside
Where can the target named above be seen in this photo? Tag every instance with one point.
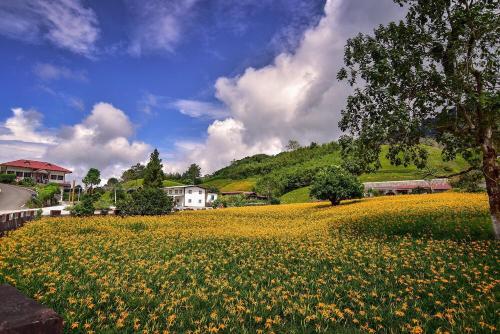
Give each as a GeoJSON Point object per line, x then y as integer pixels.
{"type": "Point", "coordinates": [301, 164]}
{"type": "Point", "coordinates": [137, 183]}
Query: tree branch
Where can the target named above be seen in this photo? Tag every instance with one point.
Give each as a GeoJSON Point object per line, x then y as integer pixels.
{"type": "Point", "coordinates": [430, 173]}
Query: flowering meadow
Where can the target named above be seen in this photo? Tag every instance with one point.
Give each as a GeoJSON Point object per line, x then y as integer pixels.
{"type": "Point", "coordinates": [400, 264]}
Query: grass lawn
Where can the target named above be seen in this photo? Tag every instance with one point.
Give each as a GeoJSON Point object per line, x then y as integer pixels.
{"type": "Point", "coordinates": [300, 195]}
{"type": "Point", "coordinates": [400, 264]}
{"type": "Point", "coordinates": [232, 185]}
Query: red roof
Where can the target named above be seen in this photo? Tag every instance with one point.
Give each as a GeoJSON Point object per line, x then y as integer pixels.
{"type": "Point", "coordinates": [36, 165]}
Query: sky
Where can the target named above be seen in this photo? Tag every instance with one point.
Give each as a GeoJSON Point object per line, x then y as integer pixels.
{"type": "Point", "coordinates": [102, 83]}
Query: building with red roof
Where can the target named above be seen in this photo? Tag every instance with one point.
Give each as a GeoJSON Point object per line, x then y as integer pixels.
{"type": "Point", "coordinates": [39, 171]}
{"type": "Point", "coordinates": [407, 187]}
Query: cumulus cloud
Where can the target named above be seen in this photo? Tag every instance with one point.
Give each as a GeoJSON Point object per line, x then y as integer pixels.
{"type": "Point", "coordinates": [101, 140]}
{"type": "Point", "coordinates": [49, 72]}
{"type": "Point", "coordinates": [297, 96]}
{"type": "Point", "coordinates": [158, 24]}
{"type": "Point", "coordinates": [66, 24]}
{"type": "Point", "coordinates": [25, 126]}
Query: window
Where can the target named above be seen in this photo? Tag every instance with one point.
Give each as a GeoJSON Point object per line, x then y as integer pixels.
{"type": "Point", "coordinates": [11, 172]}
{"type": "Point", "coordinates": [176, 191]}
{"type": "Point", "coordinates": [190, 191]}
{"type": "Point", "coordinates": [212, 197]}
{"type": "Point", "coordinates": [199, 201]}
{"type": "Point", "coordinates": [60, 177]}
{"type": "Point", "coordinates": [53, 177]}
{"type": "Point", "coordinates": [189, 200]}
{"type": "Point", "coordinates": [19, 174]}
{"type": "Point", "coordinates": [27, 174]}
{"type": "Point", "coordinates": [199, 192]}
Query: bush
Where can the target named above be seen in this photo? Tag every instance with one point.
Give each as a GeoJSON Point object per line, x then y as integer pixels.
{"type": "Point", "coordinates": [336, 184]}
{"type": "Point", "coordinates": [7, 178]}
{"type": "Point", "coordinates": [420, 190]}
{"type": "Point", "coordinates": [27, 182]}
{"type": "Point", "coordinates": [274, 201]}
{"type": "Point", "coordinates": [84, 208]}
{"type": "Point", "coordinates": [144, 202]}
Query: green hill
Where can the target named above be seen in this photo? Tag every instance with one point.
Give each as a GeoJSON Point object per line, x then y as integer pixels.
{"type": "Point", "coordinates": [299, 166]}
{"type": "Point", "coordinates": [138, 183]}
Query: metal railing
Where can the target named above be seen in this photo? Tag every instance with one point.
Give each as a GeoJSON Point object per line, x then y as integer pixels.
{"type": "Point", "coordinates": [12, 220]}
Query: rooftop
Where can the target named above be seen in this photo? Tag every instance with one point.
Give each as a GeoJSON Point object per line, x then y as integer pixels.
{"type": "Point", "coordinates": [36, 165]}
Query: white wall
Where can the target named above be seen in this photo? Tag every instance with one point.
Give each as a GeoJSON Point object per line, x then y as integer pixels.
{"type": "Point", "coordinates": [194, 197]}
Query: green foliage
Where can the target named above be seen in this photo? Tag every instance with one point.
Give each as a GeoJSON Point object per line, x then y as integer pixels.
{"type": "Point", "coordinates": [336, 184]}
{"type": "Point", "coordinates": [45, 195]}
{"type": "Point", "coordinates": [433, 74]}
{"type": "Point", "coordinates": [112, 182]}
{"type": "Point", "coordinates": [262, 164]}
{"type": "Point", "coordinates": [469, 182]}
{"type": "Point", "coordinates": [193, 174]}
{"type": "Point", "coordinates": [93, 178]}
{"type": "Point", "coordinates": [133, 173]}
{"type": "Point", "coordinates": [147, 201]}
{"type": "Point", "coordinates": [27, 182]}
{"type": "Point", "coordinates": [153, 173]}
{"type": "Point", "coordinates": [84, 208]}
{"type": "Point", "coordinates": [7, 178]}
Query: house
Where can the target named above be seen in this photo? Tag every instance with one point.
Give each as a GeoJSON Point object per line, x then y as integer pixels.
{"type": "Point", "coordinates": [39, 171]}
{"type": "Point", "coordinates": [407, 187]}
{"type": "Point", "coordinates": [190, 196]}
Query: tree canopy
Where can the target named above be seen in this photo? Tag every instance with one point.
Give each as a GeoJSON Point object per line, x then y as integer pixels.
{"type": "Point", "coordinates": [335, 184]}
{"type": "Point", "coordinates": [93, 178]}
{"type": "Point", "coordinates": [433, 74]}
{"type": "Point", "coordinates": [193, 174]}
{"type": "Point", "coordinates": [153, 173]}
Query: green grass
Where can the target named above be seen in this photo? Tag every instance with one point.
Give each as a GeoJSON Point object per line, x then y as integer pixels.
{"type": "Point", "coordinates": [232, 185]}
{"type": "Point", "coordinates": [300, 195]}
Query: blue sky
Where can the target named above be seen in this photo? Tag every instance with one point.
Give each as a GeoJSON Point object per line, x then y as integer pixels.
{"type": "Point", "coordinates": [101, 83]}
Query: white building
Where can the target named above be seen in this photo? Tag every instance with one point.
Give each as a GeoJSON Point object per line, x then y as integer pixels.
{"type": "Point", "coordinates": [190, 197]}
{"type": "Point", "coordinates": [39, 171]}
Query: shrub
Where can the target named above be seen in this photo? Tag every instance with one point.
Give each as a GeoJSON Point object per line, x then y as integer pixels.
{"type": "Point", "coordinates": [84, 208]}
{"type": "Point", "coordinates": [27, 182]}
{"type": "Point", "coordinates": [7, 178]}
{"type": "Point", "coordinates": [419, 190]}
{"type": "Point", "coordinates": [148, 201]}
{"type": "Point", "coordinates": [274, 201]}
{"type": "Point", "coordinates": [336, 184]}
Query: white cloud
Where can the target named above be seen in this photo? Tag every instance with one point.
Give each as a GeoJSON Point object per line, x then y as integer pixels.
{"type": "Point", "coordinates": [48, 72]}
{"type": "Point", "coordinates": [67, 24]}
{"type": "Point", "coordinates": [295, 97]}
{"type": "Point", "coordinates": [25, 126]}
{"type": "Point", "coordinates": [197, 109]}
{"type": "Point", "coordinates": [101, 140]}
{"type": "Point", "coordinates": [158, 25]}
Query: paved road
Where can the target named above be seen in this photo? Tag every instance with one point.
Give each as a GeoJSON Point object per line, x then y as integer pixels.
{"type": "Point", "coordinates": [13, 197]}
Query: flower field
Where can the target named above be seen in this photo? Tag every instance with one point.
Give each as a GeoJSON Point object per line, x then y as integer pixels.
{"type": "Point", "coordinates": [414, 264]}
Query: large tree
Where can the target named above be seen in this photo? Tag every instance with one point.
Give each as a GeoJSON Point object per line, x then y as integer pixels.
{"type": "Point", "coordinates": [193, 173]}
{"type": "Point", "coordinates": [153, 173]}
{"type": "Point", "coordinates": [93, 178]}
{"type": "Point", "coordinates": [434, 73]}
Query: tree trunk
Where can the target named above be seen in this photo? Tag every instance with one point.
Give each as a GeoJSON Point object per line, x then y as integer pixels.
{"type": "Point", "coordinates": [491, 171]}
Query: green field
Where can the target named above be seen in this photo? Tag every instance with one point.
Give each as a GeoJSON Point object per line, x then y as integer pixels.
{"type": "Point", "coordinates": [399, 264]}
